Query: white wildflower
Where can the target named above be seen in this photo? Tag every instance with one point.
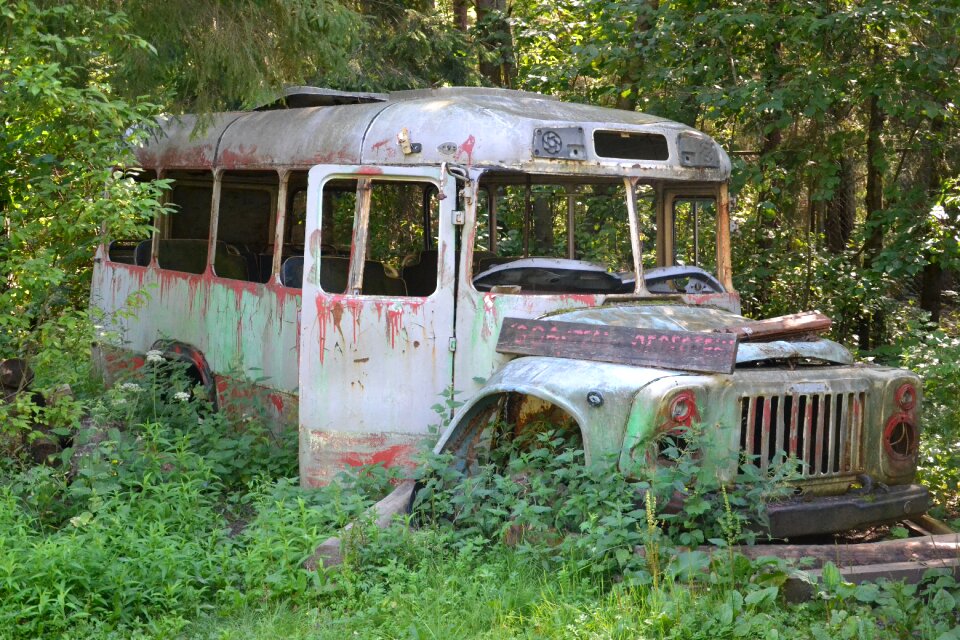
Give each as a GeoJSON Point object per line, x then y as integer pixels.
{"type": "Point", "coordinates": [181, 396]}
{"type": "Point", "coordinates": [132, 387]}
{"type": "Point", "coordinates": [119, 401]}
{"type": "Point", "coordinates": [154, 356]}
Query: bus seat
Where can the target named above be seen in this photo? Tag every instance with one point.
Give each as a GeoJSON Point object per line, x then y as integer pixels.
{"type": "Point", "coordinates": [122, 251]}
{"type": "Point", "coordinates": [229, 262]}
{"type": "Point", "coordinates": [489, 260]}
{"type": "Point", "coordinates": [291, 272]}
{"type": "Point", "coordinates": [421, 276]}
{"type": "Point", "coordinates": [183, 254]}
{"type": "Point", "coordinates": [334, 271]}
{"type": "Point", "coordinates": [141, 255]}
{"type": "Point", "coordinates": [376, 282]}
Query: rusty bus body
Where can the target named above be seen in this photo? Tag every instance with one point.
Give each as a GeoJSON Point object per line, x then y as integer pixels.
{"type": "Point", "coordinates": [270, 272]}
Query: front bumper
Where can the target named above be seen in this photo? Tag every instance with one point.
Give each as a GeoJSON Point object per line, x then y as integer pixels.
{"type": "Point", "coordinates": [829, 514]}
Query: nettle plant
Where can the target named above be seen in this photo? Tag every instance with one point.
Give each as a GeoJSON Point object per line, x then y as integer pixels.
{"type": "Point", "coordinates": [535, 492]}
{"type": "Point", "coordinates": [155, 420]}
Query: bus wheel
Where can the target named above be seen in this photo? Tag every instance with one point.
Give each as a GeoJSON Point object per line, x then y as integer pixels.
{"type": "Point", "coordinates": [196, 370]}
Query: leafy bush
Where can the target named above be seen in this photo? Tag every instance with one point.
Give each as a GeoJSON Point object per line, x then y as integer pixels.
{"type": "Point", "coordinates": [933, 354]}
{"type": "Point", "coordinates": [535, 492]}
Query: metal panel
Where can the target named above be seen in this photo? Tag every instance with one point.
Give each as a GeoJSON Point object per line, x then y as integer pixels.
{"type": "Point", "coordinates": [244, 329]}
{"type": "Point", "coordinates": [474, 127]}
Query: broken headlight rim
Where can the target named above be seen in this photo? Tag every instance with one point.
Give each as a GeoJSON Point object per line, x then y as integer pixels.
{"type": "Point", "coordinates": [900, 439]}
{"type": "Point", "coordinates": [906, 396]}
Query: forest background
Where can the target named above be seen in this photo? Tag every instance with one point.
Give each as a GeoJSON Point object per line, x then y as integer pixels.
{"type": "Point", "coordinates": [840, 117]}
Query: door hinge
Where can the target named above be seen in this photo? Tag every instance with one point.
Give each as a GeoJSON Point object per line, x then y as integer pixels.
{"type": "Point", "coordinates": [452, 344]}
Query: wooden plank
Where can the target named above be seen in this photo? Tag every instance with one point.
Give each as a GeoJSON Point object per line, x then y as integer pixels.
{"type": "Point", "coordinates": [781, 327]}
{"type": "Point", "coordinates": [932, 548]}
{"type": "Point", "coordinates": [681, 350]}
{"type": "Point", "coordinates": [330, 552]}
{"type": "Point", "coordinates": [800, 590]}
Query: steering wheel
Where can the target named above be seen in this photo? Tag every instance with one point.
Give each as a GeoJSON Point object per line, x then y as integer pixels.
{"type": "Point", "coordinates": [681, 279]}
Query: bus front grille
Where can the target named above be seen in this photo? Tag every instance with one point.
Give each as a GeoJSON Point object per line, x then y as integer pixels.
{"type": "Point", "coordinates": [822, 431]}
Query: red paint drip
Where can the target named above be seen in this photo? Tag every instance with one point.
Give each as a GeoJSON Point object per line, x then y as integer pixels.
{"type": "Point", "coordinates": [489, 315]}
{"type": "Point", "coordinates": [277, 401]}
{"type": "Point", "coordinates": [394, 323]}
{"type": "Point", "coordinates": [355, 306]}
{"type": "Point", "coordinates": [379, 307]}
{"type": "Point", "coordinates": [586, 299]}
{"type": "Point", "coordinates": [397, 455]}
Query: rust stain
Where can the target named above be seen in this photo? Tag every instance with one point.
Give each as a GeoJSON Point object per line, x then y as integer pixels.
{"type": "Point", "coordinates": [321, 324]}
{"type": "Point", "coordinates": [794, 417]}
{"type": "Point", "coordinates": [336, 314]}
{"type": "Point", "coordinates": [277, 401]}
{"type": "Point", "coordinates": [242, 156]}
{"type": "Point", "coordinates": [340, 156]}
{"type": "Point", "coordinates": [197, 156]}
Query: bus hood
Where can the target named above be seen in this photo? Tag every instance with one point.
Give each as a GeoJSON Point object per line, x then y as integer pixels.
{"type": "Point", "coordinates": [675, 317]}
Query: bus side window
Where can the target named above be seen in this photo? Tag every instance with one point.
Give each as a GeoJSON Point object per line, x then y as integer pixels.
{"type": "Point", "coordinates": [185, 233]}
{"type": "Point", "coordinates": [124, 250]}
{"type": "Point", "coordinates": [401, 257]}
{"type": "Point", "coordinates": [695, 233]}
{"type": "Point", "coordinates": [245, 222]}
{"type": "Point", "coordinates": [294, 231]}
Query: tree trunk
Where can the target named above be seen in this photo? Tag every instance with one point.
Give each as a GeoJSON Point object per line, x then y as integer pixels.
{"type": "Point", "coordinates": [542, 226]}
{"type": "Point", "coordinates": [930, 289]}
{"type": "Point", "coordinates": [841, 208]}
{"type": "Point", "coordinates": [874, 195]}
{"type": "Point", "coordinates": [871, 325]}
{"type": "Point", "coordinates": [931, 174]}
{"type": "Point", "coordinates": [630, 76]}
{"type": "Point", "coordinates": [460, 15]}
{"type": "Point", "coordinates": [497, 61]}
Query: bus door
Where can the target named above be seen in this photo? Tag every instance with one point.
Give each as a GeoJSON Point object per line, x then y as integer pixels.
{"type": "Point", "coordinates": [377, 325]}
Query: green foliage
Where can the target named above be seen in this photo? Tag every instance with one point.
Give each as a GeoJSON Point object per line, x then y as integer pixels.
{"type": "Point", "coordinates": [161, 510]}
{"type": "Point", "coordinates": [208, 56]}
{"type": "Point", "coordinates": [62, 139]}
{"type": "Point", "coordinates": [802, 93]}
{"type": "Point", "coordinates": [933, 354]}
{"type": "Point", "coordinates": [535, 492]}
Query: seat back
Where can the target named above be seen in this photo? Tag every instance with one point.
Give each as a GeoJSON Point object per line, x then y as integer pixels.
{"type": "Point", "coordinates": [421, 277]}
{"type": "Point", "coordinates": [291, 272]}
{"type": "Point", "coordinates": [141, 255]}
{"type": "Point", "coordinates": [182, 254]}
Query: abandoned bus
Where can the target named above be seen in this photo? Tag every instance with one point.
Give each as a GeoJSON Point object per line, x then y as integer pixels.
{"type": "Point", "coordinates": [355, 257]}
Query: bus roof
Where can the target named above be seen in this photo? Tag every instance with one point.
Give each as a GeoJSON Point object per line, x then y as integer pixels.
{"type": "Point", "coordinates": [485, 128]}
